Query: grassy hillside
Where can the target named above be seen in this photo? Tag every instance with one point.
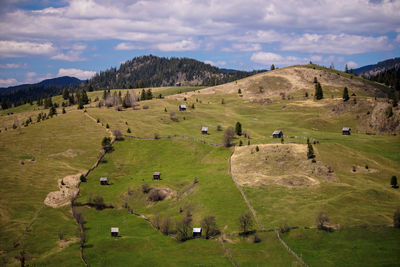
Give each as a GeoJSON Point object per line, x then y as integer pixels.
{"type": "Point", "coordinates": [195, 175]}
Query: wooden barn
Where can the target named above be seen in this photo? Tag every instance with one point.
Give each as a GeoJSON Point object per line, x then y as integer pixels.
{"type": "Point", "coordinates": [204, 130]}
{"type": "Point", "coordinates": [103, 180]}
{"type": "Point", "coordinates": [196, 232]}
{"type": "Point", "coordinates": [182, 107]}
{"type": "Point", "coordinates": [156, 176]}
{"type": "Point", "coordinates": [277, 134]}
{"type": "Point", "coordinates": [114, 231]}
{"type": "Point", "coordinates": [346, 131]}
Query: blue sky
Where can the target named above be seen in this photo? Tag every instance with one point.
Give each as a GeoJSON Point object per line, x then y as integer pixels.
{"type": "Point", "coordinates": [47, 39]}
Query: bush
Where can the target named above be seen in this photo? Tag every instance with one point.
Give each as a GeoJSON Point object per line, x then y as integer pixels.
{"type": "Point", "coordinates": [107, 126]}
{"type": "Point", "coordinates": [118, 134]}
{"type": "Point", "coordinates": [165, 225]}
{"type": "Point", "coordinates": [393, 182]}
{"type": "Point", "coordinates": [129, 130]}
{"type": "Point", "coordinates": [106, 144]}
{"type": "Point", "coordinates": [209, 225]}
{"type": "Point", "coordinates": [82, 178]}
{"type": "Point", "coordinates": [322, 221]}
{"type": "Point", "coordinates": [97, 202]}
{"type": "Point", "coordinates": [256, 238]}
{"type": "Point", "coordinates": [396, 218]}
{"type": "Point", "coordinates": [257, 149]}
{"type": "Point", "coordinates": [228, 136]}
{"type": "Point", "coordinates": [156, 195]}
{"type": "Point", "coordinates": [146, 188]}
{"type": "Point", "coordinates": [245, 223]}
{"type": "Point", "coordinates": [219, 127]}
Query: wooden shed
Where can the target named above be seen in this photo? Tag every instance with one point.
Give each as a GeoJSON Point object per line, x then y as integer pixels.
{"type": "Point", "coordinates": [196, 232]}
{"type": "Point", "coordinates": [103, 180]}
{"type": "Point", "coordinates": [204, 130]}
{"type": "Point", "coordinates": [182, 107]}
{"type": "Point", "coordinates": [346, 131]}
{"type": "Point", "coordinates": [277, 134]}
{"type": "Point", "coordinates": [114, 231]}
{"type": "Point", "coordinates": [156, 176]}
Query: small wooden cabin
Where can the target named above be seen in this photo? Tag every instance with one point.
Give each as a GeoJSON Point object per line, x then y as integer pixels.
{"type": "Point", "coordinates": [277, 134]}
{"type": "Point", "coordinates": [103, 180]}
{"type": "Point", "coordinates": [346, 131]}
{"type": "Point", "coordinates": [196, 232]}
{"type": "Point", "coordinates": [114, 231]}
{"type": "Point", "coordinates": [182, 107]}
{"type": "Point", "coordinates": [156, 176]}
{"type": "Point", "coordinates": [204, 130]}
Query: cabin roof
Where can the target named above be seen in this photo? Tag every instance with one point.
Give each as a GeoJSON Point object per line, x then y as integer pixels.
{"type": "Point", "coordinates": [182, 106]}
{"type": "Point", "coordinates": [103, 179]}
{"type": "Point", "coordinates": [196, 230]}
{"type": "Point", "coordinates": [114, 229]}
{"type": "Point", "coordinates": [346, 129]}
{"type": "Point", "coordinates": [204, 128]}
{"type": "Point", "coordinates": [277, 132]}
{"type": "Point", "coordinates": [156, 173]}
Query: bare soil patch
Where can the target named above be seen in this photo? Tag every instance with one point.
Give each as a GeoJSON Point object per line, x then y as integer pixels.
{"type": "Point", "coordinates": [68, 188]}
{"type": "Point", "coordinates": [70, 153]}
{"type": "Point", "coordinates": [280, 164]}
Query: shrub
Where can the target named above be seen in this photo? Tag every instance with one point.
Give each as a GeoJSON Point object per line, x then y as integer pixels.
{"type": "Point", "coordinates": [393, 182]}
{"type": "Point", "coordinates": [245, 223]}
{"type": "Point", "coordinates": [219, 127]}
{"type": "Point", "coordinates": [165, 225]}
{"type": "Point", "coordinates": [209, 225]}
{"type": "Point", "coordinates": [322, 221]}
{"type": "Point", "coordinates": [156, 195]}
{"type": "Point", "coordinates": [184, 227]}
{"type": "Point", "coordinates": [129, 130]}
{"type": "Point", "coordinates": [238, 128]}
{"type": "Point", "coordinates": [156, 136]}
{"type": "Point", "coordinates": [256, 238]}
{"type": "Point", "coordinates": [396, 218]}
{"type": "Point", "coordinates": [240, 143]}
{"type": "Point", "coordinates": [82, 178]}
{"type": "Point", "coordinates": [118, 134]}
{"type": "Point", "coordinates": [146, 188]}
{"type": "Point", "coordinates": [97, 201]}
{"type": "Point", "coordinates": [107, 126]}
{"type": "Point", "coordinates": [106, 144]}
{"type": "Point", "coordinates": [257, 149]}
{"type": "Point", "coordinates": [228, 137]}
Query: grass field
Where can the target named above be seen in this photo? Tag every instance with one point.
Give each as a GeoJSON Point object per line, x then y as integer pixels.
{"type": "Point", "coordinates": [70, 143]}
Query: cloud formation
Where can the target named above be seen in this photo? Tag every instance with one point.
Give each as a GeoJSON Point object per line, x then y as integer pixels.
{"type": "Point", "coordinates": [80, 74]}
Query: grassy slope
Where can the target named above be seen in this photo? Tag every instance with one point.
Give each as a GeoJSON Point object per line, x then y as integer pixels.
{"type": "Point", "coordinates": [24, 187]}
{"type": "Point", "coordinates": [348, 247]}
{"type": "Point", "coordinates": [357, 199]}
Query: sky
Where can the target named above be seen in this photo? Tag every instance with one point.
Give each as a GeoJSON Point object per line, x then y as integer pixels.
{"type": "Point", "coordinates": [47, 38]}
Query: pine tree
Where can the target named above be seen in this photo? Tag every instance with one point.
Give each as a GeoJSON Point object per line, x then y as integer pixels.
{"type": "Point", "coordinates": [239, 91]}
{"type": "Point", "coordinates": [105, 94]}
{"type": "Point", "coordinates": [318, 91]}
{"type": "Point", "coordinates": [272, 67]}
{"type": "Point", "coordinates": [52, 111]}
{"type": "Point", "coordinates": [63, 111]}
{"type": "Point", "coordinates": [65, 94]}
{"type": "Point", "coordinates": [238, 128]}
{"type": "Point", "coordinates": [346, 69]}
{"type": "Point", "coordinates": [149, 94]}
{"type": "Point", "coordinates": [346, 94]}
{"type": "Point", "coordinates": [143, 95]}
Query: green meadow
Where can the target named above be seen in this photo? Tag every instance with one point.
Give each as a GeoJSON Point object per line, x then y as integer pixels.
{"type": "Point", "coordinates": [195, 178]}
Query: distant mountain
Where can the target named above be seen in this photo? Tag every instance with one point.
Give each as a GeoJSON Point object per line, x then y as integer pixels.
{"type": "Point", "coordinates": [59, 81]}
{"type": "Point", "coordinates": [152, 71]}
{"type": "Point", "coordinates": [375, 69]}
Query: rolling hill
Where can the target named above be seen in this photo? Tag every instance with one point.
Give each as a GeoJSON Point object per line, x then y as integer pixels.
{"type": "Point", "coordinates": [270, 180]}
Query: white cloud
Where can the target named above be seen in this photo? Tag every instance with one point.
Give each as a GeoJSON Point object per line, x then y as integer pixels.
{"type": "Point", "coordinates": [220, 63]}
{"type": "Point", "coordinates": [18, 49]}
{"type": "Point", "coordinates": [337, 44]}
{"type": "Point", "coordinates": [128, 46]}
{"type": "Point", "coordinates": [267, 58]}
{"type": "Point", "coordinates": [352, 65]}
{"type": "Point", "coordinates": [77, 73]}
{"type": "Point", "coordinates": [243, 47]}
{"type": "Point", "coordinates": [10, 66]}
{"type": "Point", "coordinates": [8, 82]}
{"type": "Point", "coordinates": [71, 56]}
{"type": "Point", "coordinates": [184, 45]}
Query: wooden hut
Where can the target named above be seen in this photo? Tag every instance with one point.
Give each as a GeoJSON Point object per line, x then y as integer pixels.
{"type": "Point", "coordinates": [196, 232]}
{"type": "Point", "coordinates": [346, 131]}
{"type": "Point", "coordinates": [114, 231]}
{"type": "Point", "coordinates": [156, 176]}
{"type": "Point", "coordinates": [277, 134]}
{"type": "Point", "coordinates": [204, 130]}
{"type": "Point", "coordinates": [103, 180]}
{"type": "Point", "coordinates": [182, 107]}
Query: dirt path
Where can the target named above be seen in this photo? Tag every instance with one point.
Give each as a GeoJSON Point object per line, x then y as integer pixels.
{"type": "Point", "coordinates": [255, 215]}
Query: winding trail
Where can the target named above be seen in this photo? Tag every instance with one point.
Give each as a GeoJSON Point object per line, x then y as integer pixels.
{"type": "Point", "coordinates": [255, 215]}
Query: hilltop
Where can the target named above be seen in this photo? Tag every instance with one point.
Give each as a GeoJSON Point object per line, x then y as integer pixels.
{"type": "Point", "coordinates": [375, 69]}
{"type": "Point", "coordinates": [153, 71]}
